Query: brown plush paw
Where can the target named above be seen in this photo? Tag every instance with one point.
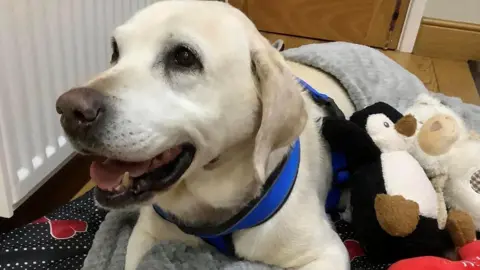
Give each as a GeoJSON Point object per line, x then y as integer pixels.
{"type": "Point", "coordinates": [396, 215]}
{"type": "Point", "coordinates": [461, 228]}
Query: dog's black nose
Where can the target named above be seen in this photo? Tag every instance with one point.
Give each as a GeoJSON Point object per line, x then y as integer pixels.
{"type": "Point", "coordinates": [80, 107]}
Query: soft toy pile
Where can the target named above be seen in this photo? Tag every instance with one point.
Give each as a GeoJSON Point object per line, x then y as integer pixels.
{"type": "Point", "coordinates": [414, 184]}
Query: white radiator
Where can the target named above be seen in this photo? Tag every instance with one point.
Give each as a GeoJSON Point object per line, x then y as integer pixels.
{"type": "Point", "coordinates": [46, 47]}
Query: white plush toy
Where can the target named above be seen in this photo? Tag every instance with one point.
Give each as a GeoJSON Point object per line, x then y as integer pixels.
{"type": "Point", "coordinates": [450, 155]}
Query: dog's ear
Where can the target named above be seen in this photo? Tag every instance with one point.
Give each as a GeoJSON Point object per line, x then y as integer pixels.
{"type": "Point", "coordinates": [279, 45]}
{"type": "Point", "coordinates": [283, 113]}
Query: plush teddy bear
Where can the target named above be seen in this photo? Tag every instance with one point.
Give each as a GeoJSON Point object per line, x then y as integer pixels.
{"type": "Point", "coordinates": [394, 206]}
{"type": "Point", "coordinates": [449, 154]}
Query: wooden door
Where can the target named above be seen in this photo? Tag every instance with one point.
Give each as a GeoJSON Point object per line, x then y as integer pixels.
{"type": "Point", "coordinates": [371, 22]}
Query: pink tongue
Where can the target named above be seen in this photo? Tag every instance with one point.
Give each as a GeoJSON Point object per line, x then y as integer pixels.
{"type": "Point", "coordinates": [108, 174]}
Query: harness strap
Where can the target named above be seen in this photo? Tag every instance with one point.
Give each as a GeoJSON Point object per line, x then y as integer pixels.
{"type": "Point", "coordinates": [275, 193]}
{"type": "Point", "coordinates": [322, 100]}
{"type": "Point", "coordinates": [339, 162]}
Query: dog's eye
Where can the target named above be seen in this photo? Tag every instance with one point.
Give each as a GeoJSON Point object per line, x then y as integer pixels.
{"type": "Point", "coordinates": [183, 57]}
{"type": "Point", "coordinates": [386, 124]}
{"type": "Point", "coordinates": [115, 52]}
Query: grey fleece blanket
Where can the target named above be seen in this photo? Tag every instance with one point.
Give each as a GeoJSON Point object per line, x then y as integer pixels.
{"type": "Point", "coordinates": [368, 76]}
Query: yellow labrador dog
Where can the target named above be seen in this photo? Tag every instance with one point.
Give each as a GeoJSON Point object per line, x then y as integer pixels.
{"type": "Point", "coordinates": [195, 112]}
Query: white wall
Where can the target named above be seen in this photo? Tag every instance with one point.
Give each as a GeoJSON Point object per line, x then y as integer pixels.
{"type": "Point", "coordinates": [454, 10]}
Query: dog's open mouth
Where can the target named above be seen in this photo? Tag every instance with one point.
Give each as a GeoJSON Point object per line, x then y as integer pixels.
{"type": "Point", "coordinates": [120, 183]}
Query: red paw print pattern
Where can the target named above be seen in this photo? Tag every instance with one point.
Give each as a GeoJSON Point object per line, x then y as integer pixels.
{"type": "Point", "coordinates": [354, 249]}
{"type": "Point", "coordinates": [63, 229]}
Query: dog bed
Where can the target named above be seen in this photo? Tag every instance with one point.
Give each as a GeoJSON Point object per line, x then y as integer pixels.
{"type": "Point", "coordinates": [367, 75]}
{"type": "Point", "coordinates": [61, 240]}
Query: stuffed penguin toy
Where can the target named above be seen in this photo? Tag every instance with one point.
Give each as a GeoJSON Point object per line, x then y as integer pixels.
{"type": "Point", "coordinates": [394, 206]}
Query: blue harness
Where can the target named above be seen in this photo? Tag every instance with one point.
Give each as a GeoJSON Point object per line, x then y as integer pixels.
{"type": "Point", "coordinates": [275, 192]}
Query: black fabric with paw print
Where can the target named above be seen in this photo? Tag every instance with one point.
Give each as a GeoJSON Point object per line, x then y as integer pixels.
{"type": "Point", "coordinates": [60, 240]}
{"type": "Point", "coordinates": [358, 259]}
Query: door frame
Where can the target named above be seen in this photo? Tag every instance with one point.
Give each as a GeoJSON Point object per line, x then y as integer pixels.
{"type": "Point", "coordinates": [411, 25]}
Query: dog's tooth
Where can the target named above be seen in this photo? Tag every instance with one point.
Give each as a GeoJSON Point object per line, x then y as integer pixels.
{"type": "Point", "coordinates": [126, 180]}
{"type": "Point", "coordinates": [120, 188]}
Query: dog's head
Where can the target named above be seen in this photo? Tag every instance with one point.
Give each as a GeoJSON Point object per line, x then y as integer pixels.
{"type": "Point", "coordinates": [188, 80]}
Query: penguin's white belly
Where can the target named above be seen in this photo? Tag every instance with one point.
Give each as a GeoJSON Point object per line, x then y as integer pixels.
{"type": "Point", "coordinates": [404, 176]}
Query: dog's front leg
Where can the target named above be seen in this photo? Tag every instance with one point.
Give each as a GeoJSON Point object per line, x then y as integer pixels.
{"type": "Point", "coordinates": [139, 244]}
{"type": "Point", "coordinates": [334, 257]}
{"type": "Point", "coordinates": [326, 264]}
{"type": "Point", "coordinates": [149, 230]}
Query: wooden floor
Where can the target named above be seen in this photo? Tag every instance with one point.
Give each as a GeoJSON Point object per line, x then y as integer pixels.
{"type": "Point", "coordinates": [449, 77]}
{"type": "Point", "coordinates": [84, 189]}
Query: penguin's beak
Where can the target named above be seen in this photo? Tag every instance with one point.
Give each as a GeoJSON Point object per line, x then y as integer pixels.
{"type": "Point", "coordinates": [407, 125]}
